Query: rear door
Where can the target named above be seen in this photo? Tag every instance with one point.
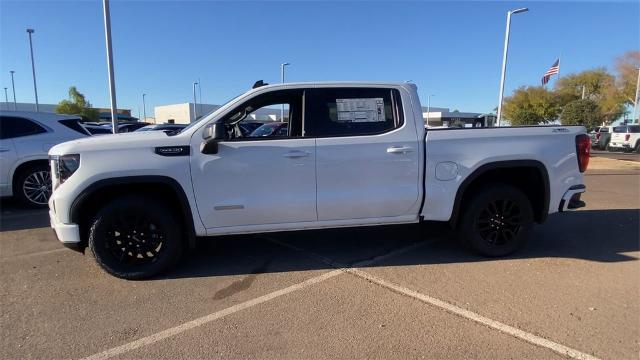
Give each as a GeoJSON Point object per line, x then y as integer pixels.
{"type": "Point", "coordinates": [366, 154]}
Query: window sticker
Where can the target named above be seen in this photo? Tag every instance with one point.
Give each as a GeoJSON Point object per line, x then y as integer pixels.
{"type": "Point", "coordinates": [360, 110]}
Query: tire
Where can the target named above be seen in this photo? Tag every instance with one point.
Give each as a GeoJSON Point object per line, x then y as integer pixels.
{"type": "Point", "coordinates": [483, 227]}
{"type": "Point", "coordinates": [32, 186]}
{"type": "Point", "coordinates": [637, 149]}
{"type": "Point", "coordinates": [135, 237]}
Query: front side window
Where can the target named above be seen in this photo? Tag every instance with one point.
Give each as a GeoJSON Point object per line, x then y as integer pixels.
{"type": "Point", "coordinates": [12, 127]}
{"type": "Point", "coordinates": [351, 111]}
{"type": "Point", "coordinates": [276, 114]}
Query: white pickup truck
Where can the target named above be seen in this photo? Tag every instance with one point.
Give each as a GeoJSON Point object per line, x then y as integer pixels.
{"type": "Point", "coordinates": [352, 154]}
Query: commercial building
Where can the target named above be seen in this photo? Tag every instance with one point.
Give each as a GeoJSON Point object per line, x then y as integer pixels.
{"type": "Point", "coordinates": [444, 117]}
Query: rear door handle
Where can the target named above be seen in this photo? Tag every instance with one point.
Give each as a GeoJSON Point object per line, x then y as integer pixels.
{"type": "Point", "coordinates": [296, 154]}
{"type": "Point", "coordinates": [399, 150]}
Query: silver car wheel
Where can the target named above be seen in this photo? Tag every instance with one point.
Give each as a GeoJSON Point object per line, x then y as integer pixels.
{"type": "Point", "coordinates": [37, 187]}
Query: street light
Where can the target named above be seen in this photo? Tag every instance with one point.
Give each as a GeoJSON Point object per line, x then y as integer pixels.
{"type": "Point", "coordinates": [282, 81]}
{"type": "Point", "coordinates": [112, 83]}
{"type": "Point", "coordinates": [635, 102]}
{"type": "Point", "coordinates": [33, 67]}
{"type": "Point", "coordinates": [504, 60]}
{"type": "Point", "coordinates": [428, 107]}
{"type": "Point", "coordinates": [144, 108]}
{"type": "Point", "coordinates": [6, 98]}
{"type": "Point", "coordinates": [13, 86]}
{"type": "Point", "coordinates": [195, 101]}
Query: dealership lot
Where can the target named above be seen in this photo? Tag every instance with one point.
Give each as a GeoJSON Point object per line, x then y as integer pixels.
{"type": "Point", "coordinates": [393, 292]}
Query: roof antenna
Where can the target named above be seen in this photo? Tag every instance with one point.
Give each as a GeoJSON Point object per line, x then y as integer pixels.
{"type": "Point", "coordinates": [258, 84]}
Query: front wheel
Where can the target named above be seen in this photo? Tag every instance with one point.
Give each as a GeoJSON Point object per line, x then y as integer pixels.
{"type": "Point", "coordinates": [32, 186]}
{"type": "Point", "coordinates": [135, 237]}
{"type": "Point", "coordinates": [496, 221]}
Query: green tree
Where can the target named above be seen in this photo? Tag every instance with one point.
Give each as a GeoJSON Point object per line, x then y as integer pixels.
{"type": "Point", "coordinates": [584, 112]}
{"type": "Point", "coordinates": [532, 105]}
{"type": "Point", "coordinates": [77, 105]}
{"type": "Point", "coordinates": [599, 86]}
{"type": "Point", "coordinates": [626, 67]}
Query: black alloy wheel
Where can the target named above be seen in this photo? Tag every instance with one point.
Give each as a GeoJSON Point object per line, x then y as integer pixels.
{"type": "Point", "coordinates": [136, 237]}
{"type": "Point", "coordinates": [499, 222]}
{"type": "Point", "coordinates": [496, 220]}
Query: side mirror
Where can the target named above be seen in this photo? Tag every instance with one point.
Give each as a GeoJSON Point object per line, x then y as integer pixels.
{"type": "Point", "coordinates": [212, 134]}
{"type": "Point", "coordinates": [214, 131]}
{"type": "Point", "coordinates": [209, 146]}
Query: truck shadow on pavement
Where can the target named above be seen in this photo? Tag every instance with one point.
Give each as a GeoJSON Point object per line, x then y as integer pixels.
{"type": "Point", "coordinates": [592, 235]}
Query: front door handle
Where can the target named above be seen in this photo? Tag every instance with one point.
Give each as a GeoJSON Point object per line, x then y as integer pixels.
{"type": "Point", "coordinates": [399, 150]}
{"type": "Point", "coordinates": [296, 154]}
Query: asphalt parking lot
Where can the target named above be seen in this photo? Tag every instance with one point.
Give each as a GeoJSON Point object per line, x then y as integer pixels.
{"type": "Point", "coordinates": [392, 292]}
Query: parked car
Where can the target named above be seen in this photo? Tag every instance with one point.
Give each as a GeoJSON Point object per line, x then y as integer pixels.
{"type": "Point", "coordinates": [162, 127]}
{"type": "Point", "coordinates": [271, 129]}
{"type": "Point", "coordinates": [125, 127]}
{"type": "Point", "coordinates": [626, 138]}
{"type": "Point", "coordinates": [97, 129]}
{"type": "Point", "coordinates": [247, 127]}
{"type": "Point", "coordinates": [359, 158]}
{"type": "Point", "coordinates": [25, 139]}
{"type": "Point", "coordinates": [600, 137]}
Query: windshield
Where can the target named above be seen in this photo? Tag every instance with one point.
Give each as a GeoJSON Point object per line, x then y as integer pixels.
{"type": "Point", "coordinates": [192, 124]}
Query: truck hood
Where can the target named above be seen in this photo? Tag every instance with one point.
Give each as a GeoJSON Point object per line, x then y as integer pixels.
{"type": "Point", "coordinates": [134, 140]}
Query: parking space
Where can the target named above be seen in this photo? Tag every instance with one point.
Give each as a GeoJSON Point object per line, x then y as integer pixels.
{"type": "Point", "coordinates": [401, 291]}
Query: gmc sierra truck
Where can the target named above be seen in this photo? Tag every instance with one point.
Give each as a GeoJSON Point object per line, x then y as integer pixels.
{"type": "Point", "coordinates": [352, 154]}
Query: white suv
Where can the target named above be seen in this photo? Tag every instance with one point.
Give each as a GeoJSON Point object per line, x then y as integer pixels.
{"type": "Point", "coordinates": [626, 137]}
{"type": "Point", "coordinates": [25, 140]}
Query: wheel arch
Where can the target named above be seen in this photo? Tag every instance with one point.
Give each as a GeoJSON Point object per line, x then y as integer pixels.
{"type": "Point", "coordinates": [530, 176]}
{"type": "Point", "coordinates": [88, 202]}
{"type": "Point", "coordinates": [26, 163]}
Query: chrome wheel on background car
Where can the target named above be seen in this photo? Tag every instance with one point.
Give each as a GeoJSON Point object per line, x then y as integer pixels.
{"type": "Point", "coordinates": [36, 187]}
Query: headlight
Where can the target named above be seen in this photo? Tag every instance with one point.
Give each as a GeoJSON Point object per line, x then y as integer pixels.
{"type": "Point", "coordinates": [65, 165]}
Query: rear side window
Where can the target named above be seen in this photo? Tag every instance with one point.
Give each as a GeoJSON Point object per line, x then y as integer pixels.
{"type": "Point", "coordinates": [351, 111]}
{"type": "Point", "coordinates": [74, 125]}
{"type": "Point", "coordinates": [604, 130]}
{"type": "Point", "coordinates": [634, 128]}
{"type": "Point", "coordinates": [620, 129]}
{"type": "Point", "coordinates": [13, 127]}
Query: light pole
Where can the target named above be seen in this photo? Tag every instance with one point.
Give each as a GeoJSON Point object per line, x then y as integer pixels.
{"type": "Point", "coordinates": [33, 67]}
{"type": "Point", "coordinates": [282, 81]}
{"type": "Point", "coordinates": [6, 98]}
{"type": "Point", "coordinates": [635, 102]}
{"type": "Point", "coordinates": [13, 86]}
{"type": "Point", "coordinates": [195, 102]}
{"type": "Point", "coordinates": [428, 107]}
{"type": "Point", "coordinates": [144, 107]}
{"type": "Point", "coordinates": [112, 83]}
{"type": "Point", "coordinates": [504, 60]}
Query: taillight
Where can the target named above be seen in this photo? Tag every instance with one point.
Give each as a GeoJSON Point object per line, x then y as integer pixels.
{"type": "Point", "coordinates": [583, 148]}
{"type": "Point", "coordinates": [626, 137]}
{"type": "Point", "coordinates": [598, 136]}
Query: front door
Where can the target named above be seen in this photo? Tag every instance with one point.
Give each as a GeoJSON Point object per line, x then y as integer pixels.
{"type": "Point", "coordinates": [264, 172]}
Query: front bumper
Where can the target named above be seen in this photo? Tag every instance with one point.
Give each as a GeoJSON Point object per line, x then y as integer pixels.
{"type": "Point", "coordinates": [571, 198]}
{"type": "Point", "coordinates": [68, 234]}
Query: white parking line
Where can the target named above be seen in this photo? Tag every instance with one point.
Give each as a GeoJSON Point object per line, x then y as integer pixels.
{"type": "Point", "coordinates": [470, 315]}
{"type": "Point", "coordinates": [38, 253]}
{"type": "Point", "coordinates": [209, 318]}
{"type": "Point", "coordinates": [233, 309]}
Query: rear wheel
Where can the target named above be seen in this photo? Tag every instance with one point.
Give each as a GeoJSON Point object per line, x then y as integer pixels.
{"type": "Point", "coordinates": [135, 237]}
{"type": "Point", "coordinates": [497, 220]}
{"type": "Point", "coordinates": [32, 186]}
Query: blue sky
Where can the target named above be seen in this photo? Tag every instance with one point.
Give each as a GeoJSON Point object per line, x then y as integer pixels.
{"type": "Point", "coordinates": [450, 49]}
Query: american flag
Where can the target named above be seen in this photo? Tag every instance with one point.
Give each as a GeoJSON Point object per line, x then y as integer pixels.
{"type": "Point", "coordinates": [553, 70]}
